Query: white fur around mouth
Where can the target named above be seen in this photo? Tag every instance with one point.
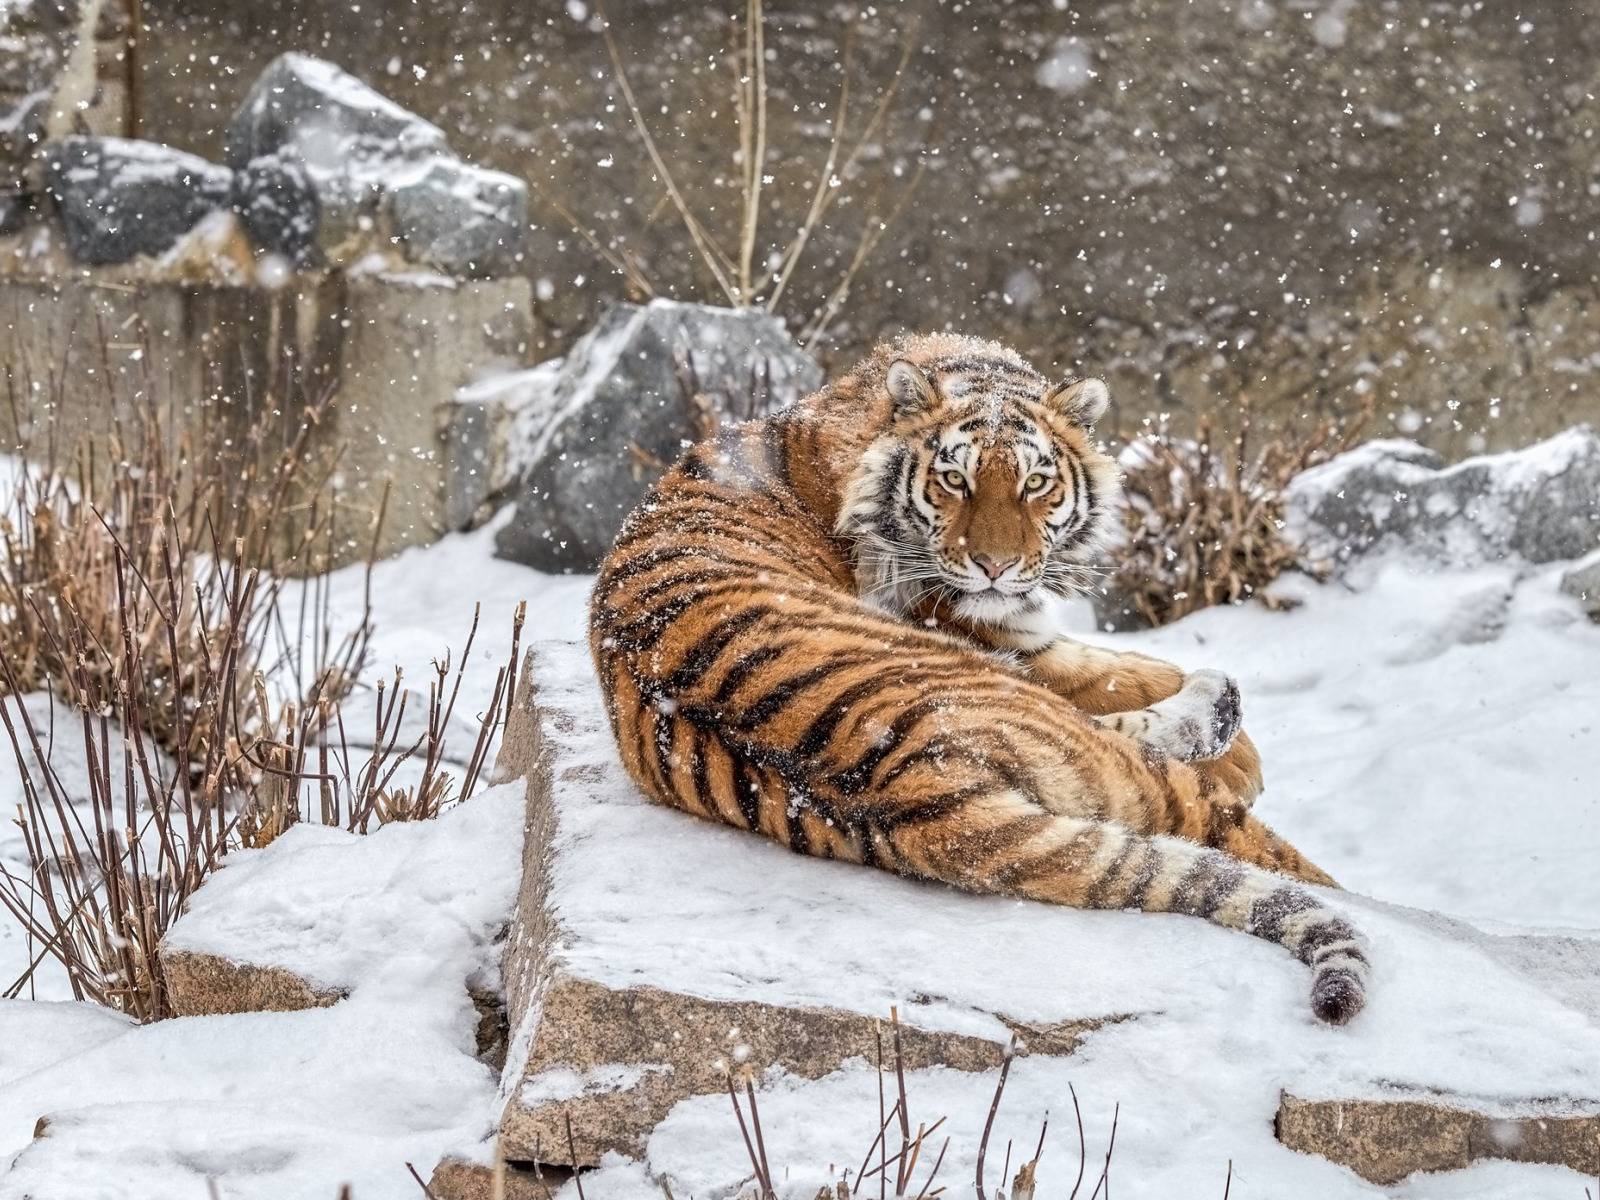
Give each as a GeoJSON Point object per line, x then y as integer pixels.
{"type": "Point", "coordinates": [989, 604]}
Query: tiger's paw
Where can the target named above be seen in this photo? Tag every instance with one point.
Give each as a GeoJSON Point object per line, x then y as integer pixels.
{"type": "Point", "coordinates": [1201, 721]}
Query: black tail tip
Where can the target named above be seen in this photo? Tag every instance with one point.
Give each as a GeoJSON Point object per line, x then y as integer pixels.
{"type": "Point", "coordinates": [1337, 996]}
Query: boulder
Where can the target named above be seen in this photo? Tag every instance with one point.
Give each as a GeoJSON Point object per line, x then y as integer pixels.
{"type": "Point", "coordinates": [634, 392]}
{"type": "Point", "coordinates": [350, 142]}
{"type": "Point", "coordinates": [277, 202]}
{"type": "Point", "coordinates": [327, 116]}
{"type": "Point", "coordinates": [1583, 581]}
{"type": "Point", "coordinates": [461, 219]}
{"type": "Point", "coordinates": [120, 198]}
{"type": "Point", "coordinates": [1541, 504]}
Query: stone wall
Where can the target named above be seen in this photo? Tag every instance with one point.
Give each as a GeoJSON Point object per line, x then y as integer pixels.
{"type": "Point", "coordinates": [1308, 201]}
{"type": "Point", "coordinates": [392, 349]}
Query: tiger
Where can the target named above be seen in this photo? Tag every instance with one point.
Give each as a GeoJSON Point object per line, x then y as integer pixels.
{"type": "Point", "coordinates": [829, 626]}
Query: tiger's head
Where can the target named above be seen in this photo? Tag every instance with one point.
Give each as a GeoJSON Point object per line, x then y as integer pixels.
{"type": "Point", "coordinates": [985, 490]}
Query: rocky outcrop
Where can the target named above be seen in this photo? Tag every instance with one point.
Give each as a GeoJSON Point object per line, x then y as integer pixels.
{"type": "Point", "coordinates": [1541, 504]}
{"type": "Point", "coordinates": [640, 387]}
{"type": "Point", "coordinates": [322, 169]}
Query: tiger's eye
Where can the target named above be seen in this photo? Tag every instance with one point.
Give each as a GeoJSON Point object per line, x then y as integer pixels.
{"type": "Point", "coordinates": [1034, 482]}
{"type": "Point", "coordinates": [955, 480]}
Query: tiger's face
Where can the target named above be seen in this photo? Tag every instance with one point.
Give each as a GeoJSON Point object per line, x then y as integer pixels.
{"type": "Point", "coordinates": [984, 493]}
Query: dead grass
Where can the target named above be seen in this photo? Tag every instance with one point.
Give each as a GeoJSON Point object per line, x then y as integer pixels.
{"type": "Point", "coordinates": [1202, 522]}
{"type": "Point", "coordinates": [149, 588]}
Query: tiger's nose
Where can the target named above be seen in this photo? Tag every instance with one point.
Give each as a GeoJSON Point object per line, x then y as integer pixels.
{"type": "Point", "coordinates": [991, 567]}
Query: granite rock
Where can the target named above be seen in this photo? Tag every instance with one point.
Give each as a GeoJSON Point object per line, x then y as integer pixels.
{"type": "Point", "coordinates": [637, 390]}
{"type": "Point", "coordinates": [351, 144]}
{"type": "Point", "coordinates": [277, 202]}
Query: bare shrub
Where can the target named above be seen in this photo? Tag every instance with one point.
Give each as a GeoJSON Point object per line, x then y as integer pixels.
{"type": "Point", "coordinates": [1202, 520]}
{"type": "Point", "coordinates": [895, 1172]}
{"type": "Point", "coordinates": [149, 590]}
{"type": "Point", "coordinates": [758, 269]}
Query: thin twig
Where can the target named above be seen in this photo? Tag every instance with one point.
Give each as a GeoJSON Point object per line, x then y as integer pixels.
{"type": "Point", "coordinates": [1006, 1057]}
{"type": "Point", "coordinates": [426, 1190]}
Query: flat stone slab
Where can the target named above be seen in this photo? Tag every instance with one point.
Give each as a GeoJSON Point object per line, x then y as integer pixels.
{"type": "Point", "coordinates": [1384, 1141]}
{"type": "Point", "coordinates": [652, 953]}
{"type": "Point", "coordinates": [206, 985]}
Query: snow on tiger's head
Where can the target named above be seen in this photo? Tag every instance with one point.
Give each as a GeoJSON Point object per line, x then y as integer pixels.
{"type": "Point", "coordinates": [985, 490]}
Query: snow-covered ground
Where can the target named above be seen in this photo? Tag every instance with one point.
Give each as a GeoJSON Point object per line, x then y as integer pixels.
{"type": "Point", "coordinates": [1431, 738]}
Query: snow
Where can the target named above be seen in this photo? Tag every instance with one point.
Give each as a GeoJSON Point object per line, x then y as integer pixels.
{"type": "Point", "coordinates": [1429, 734]}
{"type": "Point", "coordinates": [1068, 69]}
{"type": "Point", "coordinates": [1429, 738]}
{"type": "Point", "coordinates": [286, 1104]}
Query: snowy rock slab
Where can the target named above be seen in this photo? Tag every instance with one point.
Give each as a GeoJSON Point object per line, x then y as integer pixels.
{"type": "Point", "coordinates": [633, 393]}
{"type": "Point", "coordinates": [652, 952]}
{"type": "Point", "coordinates": [1386, 1140]}
{"type": "Point", "coordinates": [613, 1026]}
{"type": "Point", "coordinates": [120, 198]}
{"type": "Point", "coordinates": [463, 220]}
{"type": "Point", "coordinates": [1541, 503]}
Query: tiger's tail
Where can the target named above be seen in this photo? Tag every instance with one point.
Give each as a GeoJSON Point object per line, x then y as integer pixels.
{"type": "Point", "coordinates": [1006, 844]}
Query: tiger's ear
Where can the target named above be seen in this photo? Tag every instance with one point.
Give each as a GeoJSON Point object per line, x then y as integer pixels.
{"type": "Point", "coordinates": [910, 389]}
{"type": "Point", "coordinates": [1081, 401]}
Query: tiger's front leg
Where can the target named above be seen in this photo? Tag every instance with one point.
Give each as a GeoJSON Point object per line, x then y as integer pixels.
{"type": "Point", "coordinates": [1194, 718]}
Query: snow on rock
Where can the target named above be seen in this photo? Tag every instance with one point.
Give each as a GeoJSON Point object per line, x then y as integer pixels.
{"type": "Point", "coordinates": [644, 902]}
{"type": "Point", "coordinates": [119, 198]}
{"type": "Point", "coordinates": [1541, 503]}
{"type": "Point", "coordinates": [491, 427]}
{"type": "Point", "coordinates": [327, 115]}
{"type": "Point", "coordinates": [277, 1105]}
{"type": "Point", "coordinates": [595, 436]}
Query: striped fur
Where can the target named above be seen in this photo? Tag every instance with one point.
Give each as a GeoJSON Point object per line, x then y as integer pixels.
{"type": "Point", "coordinates": [794, 636]}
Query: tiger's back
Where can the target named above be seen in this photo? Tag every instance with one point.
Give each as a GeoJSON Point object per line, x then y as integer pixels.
{"type": "Point", "coordinates": [748, 682]}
